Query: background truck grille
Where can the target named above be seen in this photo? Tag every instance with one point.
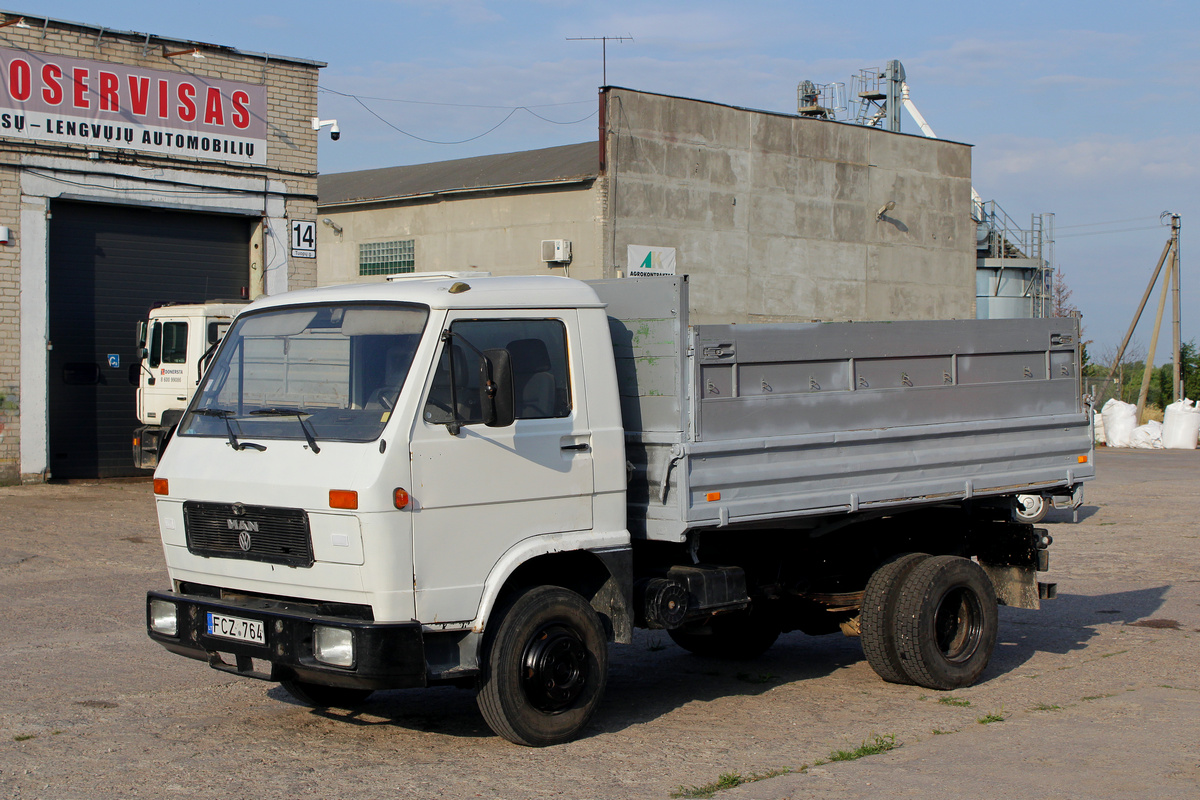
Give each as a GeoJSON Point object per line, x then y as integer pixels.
{"type": "Point", "coordinates": [257, 533]}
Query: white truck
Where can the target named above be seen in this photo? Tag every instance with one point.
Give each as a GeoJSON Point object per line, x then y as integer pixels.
{"type": "Point", "coordinates": [482, 481]}
{"type": "Point", "coordinates": [172, 345]}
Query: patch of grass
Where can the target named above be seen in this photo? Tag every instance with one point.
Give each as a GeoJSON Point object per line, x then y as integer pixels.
{"type": "Point", "coordinates": [655, 647]}
{"type": "Point", "coordinates": [1097, 696]}
{"type": "Point", "coordinates": [988, 719]}
{"type": "Point", "coordinates": [940, 732]}
{"type": "Point", "coordinates": [762, 677]}
{"type": "Point", "coordinates": [1110, 655]}
{"type": "Point", "coordinates": [1047, 707]}
{"type": "Point", "coordinates": [958, 702]}
{"type": "Point", "coordinates": [24, 737]}
{"type": "Point", "coordinates": [881, 744]}
{"type": "Point", "coordinates": [729, 780]}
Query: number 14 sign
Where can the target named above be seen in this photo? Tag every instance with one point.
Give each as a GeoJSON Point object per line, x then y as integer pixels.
{"type": "Point", "coordinates": [304, 238]}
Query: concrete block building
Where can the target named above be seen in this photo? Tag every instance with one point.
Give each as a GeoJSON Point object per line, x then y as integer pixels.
{"type": "Point", "coordinates": [775, 217]}
{"type": "Point", "coordinates": [134, 169]}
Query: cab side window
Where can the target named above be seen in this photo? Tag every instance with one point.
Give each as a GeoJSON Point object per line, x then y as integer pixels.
{"type": "Point", "coordinates": [168, 343]}
{"type": "Point", "coordinates": [541, 380]}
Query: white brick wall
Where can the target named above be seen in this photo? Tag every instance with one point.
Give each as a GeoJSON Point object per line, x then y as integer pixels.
{"type": "Point", "coordinates": [291, 158]}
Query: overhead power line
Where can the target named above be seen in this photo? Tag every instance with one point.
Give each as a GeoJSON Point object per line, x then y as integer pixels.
{"type": "Point", "coordinates": [1113, 222]}
{"type": "Point", "coordinates": [1101, 233]}
{"type": "Point", "coordinates": [512, 110]}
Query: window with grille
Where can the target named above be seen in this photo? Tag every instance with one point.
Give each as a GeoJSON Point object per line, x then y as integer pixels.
{"type": "Point", "coordinates": [386, 258]}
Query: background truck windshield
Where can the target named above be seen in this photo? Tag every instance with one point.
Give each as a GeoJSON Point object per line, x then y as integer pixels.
{"type": "Point", "coordinates": [335, 370]}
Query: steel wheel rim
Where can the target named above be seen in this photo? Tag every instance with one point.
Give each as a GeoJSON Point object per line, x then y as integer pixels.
{"type": "Point", "coordinates": [958, 624]}
{"type": "Point", "coordinates": [554, 668]}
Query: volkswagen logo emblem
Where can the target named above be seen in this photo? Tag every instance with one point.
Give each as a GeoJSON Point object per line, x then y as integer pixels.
{"type": "Point", "coordinates": [244, 541]}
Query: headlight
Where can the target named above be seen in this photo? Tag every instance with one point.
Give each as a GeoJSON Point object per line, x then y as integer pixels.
{"type": "Point", "coordinates": [333, 645]}
{"type": "Point", "coordinates": [164, 617]}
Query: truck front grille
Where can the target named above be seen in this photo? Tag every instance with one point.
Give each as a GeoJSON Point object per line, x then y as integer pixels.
{"type": "Point", "coordinates": [256, 533]}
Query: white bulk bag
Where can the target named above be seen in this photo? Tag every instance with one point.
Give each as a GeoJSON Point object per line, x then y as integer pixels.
{"type": "Point", "coordinates": [1148, 436]}
{"type": "Point", "coordinates": [1119, 421]}
{"type": "Point", "coordinates": [1181, 425]}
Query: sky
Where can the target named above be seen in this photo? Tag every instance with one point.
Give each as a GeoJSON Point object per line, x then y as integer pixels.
{"type": "Point", "coordinates": [1087, 111]}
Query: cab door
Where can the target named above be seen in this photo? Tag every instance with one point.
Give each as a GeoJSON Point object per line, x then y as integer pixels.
{"type": "Point", "coordinates": [478, 493]}
{"type": "Point", "coordinates": [166, 380]}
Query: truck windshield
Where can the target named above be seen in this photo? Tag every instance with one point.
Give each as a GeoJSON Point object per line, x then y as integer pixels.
{"type": "Point", "coordinates": [338, 368]}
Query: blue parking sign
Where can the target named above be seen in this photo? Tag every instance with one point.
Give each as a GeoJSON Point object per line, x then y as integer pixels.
{"type": "Point", "coordinates": [114, 360]}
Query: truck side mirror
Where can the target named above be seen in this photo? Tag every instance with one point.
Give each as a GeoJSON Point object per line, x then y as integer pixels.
{"type": "Point", "coordinates": [496, 388]}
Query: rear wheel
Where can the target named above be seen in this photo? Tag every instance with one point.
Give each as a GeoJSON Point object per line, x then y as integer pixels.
{"type": "Point", "coordinates": [318, 696]}
{"type": "Point", "coordinates": [878, 622]}
{"type": "Point", "coordinates": [946, 622]}
{"type": "Point", "coordinates": [737, 634]}
{"type": "Point", "coordinates": [545, 668]}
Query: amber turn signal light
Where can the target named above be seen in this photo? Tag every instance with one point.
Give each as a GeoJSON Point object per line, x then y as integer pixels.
{"type": "Point", "coordinates": [400, 498]}
{"type": "Point", "coordinates": [1083, 459]}
{"type": "Point", "coordinates": [343, 498]}
{"type": "Point", "coordinates": [712, 497]}
{"type": "Point", "coordinates": [160, 486]}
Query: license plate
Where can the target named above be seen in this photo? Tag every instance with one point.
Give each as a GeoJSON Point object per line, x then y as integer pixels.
{"type": "Point", "coordinates": [236, 628]}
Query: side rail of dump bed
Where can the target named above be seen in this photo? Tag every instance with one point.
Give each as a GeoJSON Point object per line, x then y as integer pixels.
{"type": "Point", "coordinates": [803, 420]}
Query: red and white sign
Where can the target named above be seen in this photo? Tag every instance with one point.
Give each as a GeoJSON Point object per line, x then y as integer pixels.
{"type": "Point", "coordinates": [52, 98]}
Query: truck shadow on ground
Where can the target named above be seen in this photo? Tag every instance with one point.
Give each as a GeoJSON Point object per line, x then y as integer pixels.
{"type": "Point", "coordinates": [653, 677]}
{"type": "Point", "coordinates": [1067, 624]}
{"type": "Point", "coordinates": [647, 680]}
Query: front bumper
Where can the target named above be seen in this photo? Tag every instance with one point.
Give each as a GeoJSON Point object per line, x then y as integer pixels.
{"type": "Point", "coordinates": [388, 655]}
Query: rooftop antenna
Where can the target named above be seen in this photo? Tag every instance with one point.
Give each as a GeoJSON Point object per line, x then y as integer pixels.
{"type": "Point", "coordinates": [604, 40]}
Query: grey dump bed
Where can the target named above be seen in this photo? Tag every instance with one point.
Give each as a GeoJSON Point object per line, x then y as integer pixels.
{"type": "Point", "coordinates": [732, 424]}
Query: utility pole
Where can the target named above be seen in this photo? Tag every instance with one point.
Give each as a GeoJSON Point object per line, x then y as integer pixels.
{"type": "Point", "coordinates": [604, 40]}
{"type": "Point", "coordinates": [1171, 251]}
{"type": "Point", "coordinates": [1178, 376]}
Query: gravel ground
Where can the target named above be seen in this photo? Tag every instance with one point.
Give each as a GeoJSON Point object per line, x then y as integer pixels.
{"type": "Point", "coordinates": [1095, 696]}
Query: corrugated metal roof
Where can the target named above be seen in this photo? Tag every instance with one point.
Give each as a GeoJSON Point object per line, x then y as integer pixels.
{"type": "Point", "coordinates": [570, 163]}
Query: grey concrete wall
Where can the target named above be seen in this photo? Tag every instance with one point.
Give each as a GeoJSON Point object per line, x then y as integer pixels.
{"type": "Point", "coordinates": [497, 233]}
{"type": "Point", "coordinates": [774, 217]}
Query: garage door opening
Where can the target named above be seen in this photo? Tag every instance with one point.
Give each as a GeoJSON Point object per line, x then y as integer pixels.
{"type": "Point", "coordinates": [107, 265]}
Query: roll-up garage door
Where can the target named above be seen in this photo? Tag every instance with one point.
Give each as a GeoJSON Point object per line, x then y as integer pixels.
{"type": "Point", "coordinates": [107, 266]}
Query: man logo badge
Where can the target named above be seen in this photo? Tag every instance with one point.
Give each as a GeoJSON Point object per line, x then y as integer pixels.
{"type": "Point", "coordinates": [244, 541]}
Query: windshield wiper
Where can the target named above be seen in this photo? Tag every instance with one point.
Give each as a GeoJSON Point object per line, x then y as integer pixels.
{"type": "Point", "coordinates": [225, 414]}
{"type": "Point", "coordinates": [276, 411]}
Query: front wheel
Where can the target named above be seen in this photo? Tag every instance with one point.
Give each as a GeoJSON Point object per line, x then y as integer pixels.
{"type": "Point", "coordinates": [1031, 508]}
{"type": "Point", "coordinates": [545, 668]}
{"type": "Point", "coordinates": [946, 623]}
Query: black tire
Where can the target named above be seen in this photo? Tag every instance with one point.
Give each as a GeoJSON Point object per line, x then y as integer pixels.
{"type": "Point", "coordinates": [1031, 508]}
{"type": "Point", "coordinates": [545, 667]}
{"type": "Point", "coordinates": [878, 620]}
{"type": "Point", "coordinates": [318, 696]}
{"type": "Point", "coordinates": [946, 623]}
{"type": "Point", "coordinates": [734, 635]}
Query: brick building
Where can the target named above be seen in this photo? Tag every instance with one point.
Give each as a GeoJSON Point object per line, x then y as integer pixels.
{"type": "Point", "coordinates": [134, 169]}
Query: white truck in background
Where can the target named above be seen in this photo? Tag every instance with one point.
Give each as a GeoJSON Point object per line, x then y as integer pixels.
{"type": "Point", "coordinates": [172, 345]}
{"type": "Point", "coordinates": [481, 482]}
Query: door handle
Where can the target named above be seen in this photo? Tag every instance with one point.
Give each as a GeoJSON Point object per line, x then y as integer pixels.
{"type": "Point", "coordinates": [581, 446]}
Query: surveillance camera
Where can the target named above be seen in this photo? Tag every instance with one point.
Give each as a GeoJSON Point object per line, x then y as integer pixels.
{"type": "Point", "coordinates": [335, 133]}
